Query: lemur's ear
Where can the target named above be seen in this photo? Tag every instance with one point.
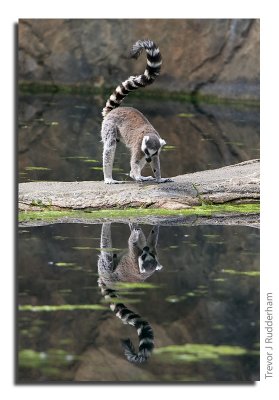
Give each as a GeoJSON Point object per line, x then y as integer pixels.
{"type": "Point", "coordinates": [158, 267]}
{"type": "Point", "coordinates": [145, 139]}
{"type": "Point", "coordinates": [143, 143]}
{"type": "Point", "coordinates": [162, 142]}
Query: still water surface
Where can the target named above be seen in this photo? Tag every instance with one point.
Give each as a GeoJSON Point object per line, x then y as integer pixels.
{"type": "Point", "coordinates": [59, 136]}
{"type": "Point", "coordinates": [203, 306]}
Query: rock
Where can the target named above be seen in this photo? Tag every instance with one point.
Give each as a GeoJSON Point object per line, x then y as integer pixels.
{"type": "Point", "coordinates": [238, 183]}
{"type": "Point", "coordinates": [100, 365]}
{"type": "Point", "coordinates": [208, 56]}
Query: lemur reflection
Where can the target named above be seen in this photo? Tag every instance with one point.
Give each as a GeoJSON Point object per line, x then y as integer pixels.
{"type": "Point", "coordinates": [135, 264]}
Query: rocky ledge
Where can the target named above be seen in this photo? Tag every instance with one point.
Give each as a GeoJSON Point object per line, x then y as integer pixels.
{"type": "Point", "coordinates": [235, 183]}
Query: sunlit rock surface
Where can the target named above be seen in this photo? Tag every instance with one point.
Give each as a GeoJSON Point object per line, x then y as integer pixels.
{"type": "Point", "coordinates": [239, 182]}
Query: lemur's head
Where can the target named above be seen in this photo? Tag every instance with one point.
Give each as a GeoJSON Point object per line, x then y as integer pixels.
{"type": "Point", "coordinates": [148, 261]}
{"type": "Point", "coordinates": [151, 146]}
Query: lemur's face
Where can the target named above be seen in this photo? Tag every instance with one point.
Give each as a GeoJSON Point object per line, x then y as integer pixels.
{"type": "Point", "coordinates": [151, 147]}
{"type": "Point", "coordinates": [148, 261]}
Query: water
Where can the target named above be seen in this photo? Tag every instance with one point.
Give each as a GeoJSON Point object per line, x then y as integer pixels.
{"type": "Point", "coordinates": [59, 136]}
{"type": "Point", "coordinates": [203, 306]}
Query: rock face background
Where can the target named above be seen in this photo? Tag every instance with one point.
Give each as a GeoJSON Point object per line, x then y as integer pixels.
{"type": "Point", "coordinates": [212, 57]}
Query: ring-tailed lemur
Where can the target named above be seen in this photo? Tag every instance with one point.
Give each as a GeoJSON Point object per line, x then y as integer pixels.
{"type": "Point", "coordinates": [134, 265]}
{"type": "Point", "coordinates": [128, 125]}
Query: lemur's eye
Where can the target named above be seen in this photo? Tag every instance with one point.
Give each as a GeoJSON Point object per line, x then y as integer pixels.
{"type": "Point", "coordinates": [155, 154]}
{"type": "Point", "coordinates": [146, 152]}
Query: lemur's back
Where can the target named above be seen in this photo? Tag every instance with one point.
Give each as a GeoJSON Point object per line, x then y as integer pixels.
{"type": "Point", "coordinates": [130, 123]}
{"type": "Point", "coordinates": [127, 270]}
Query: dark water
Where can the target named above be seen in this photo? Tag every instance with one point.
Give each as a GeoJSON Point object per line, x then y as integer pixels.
{"type": "Point", "coordinates": [203, 306]}
{"type": "Point", "coordinates": [59, 136]}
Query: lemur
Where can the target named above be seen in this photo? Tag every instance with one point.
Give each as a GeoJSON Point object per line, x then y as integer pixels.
{"type": "Point", "coordinates": [128, 125]}
{"type": "Point", "coordinates": [134, 265]}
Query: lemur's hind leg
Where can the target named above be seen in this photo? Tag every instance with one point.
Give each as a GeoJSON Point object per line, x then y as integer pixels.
{"type": "Point", "coordinates": [108, 260]}
{"type": "Point", "coordinates": [105, 242]}
{"type": "Point", "coordinates": [110, 138]}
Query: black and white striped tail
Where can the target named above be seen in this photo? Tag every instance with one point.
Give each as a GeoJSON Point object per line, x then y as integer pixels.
{"type": "Point", "coordinates": [144, 330]}
{"type": "Point", "coordinates": [152, 70]}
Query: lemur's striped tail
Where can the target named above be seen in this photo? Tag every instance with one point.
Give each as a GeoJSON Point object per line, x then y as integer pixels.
{"type": "Point", "coordinates": [145, 332]}
{"type": "Point", "coordinates": [153, 67]}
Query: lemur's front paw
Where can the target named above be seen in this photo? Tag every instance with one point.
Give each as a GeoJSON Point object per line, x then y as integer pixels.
{"type": "Point", "coordinates": [110, 181]}
{"type": "Point", "coordinates": [163, 180]}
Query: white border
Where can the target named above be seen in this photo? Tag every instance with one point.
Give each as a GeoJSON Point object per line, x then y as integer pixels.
{"type": "Point", "coordinates": [267, 12]}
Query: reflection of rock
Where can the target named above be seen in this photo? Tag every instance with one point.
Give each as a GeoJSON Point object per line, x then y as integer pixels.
{"type": "Point", "coordinates": [101, 365]}
{"type": "Point", "coordinates": [106, 362]}
{"type": "Point", "coordinates": [219, 57]}
{"type": "Point", "coordinates": [240, 182]}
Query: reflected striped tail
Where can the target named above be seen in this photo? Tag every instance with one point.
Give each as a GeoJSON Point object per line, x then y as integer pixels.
{"type": "Point", "coordinates": [144, 330]}
{"type": "Point", "coordinates": [152, 70]}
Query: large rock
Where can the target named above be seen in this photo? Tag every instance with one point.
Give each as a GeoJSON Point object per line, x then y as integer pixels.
{"type": "Point", "coordinates": [213, 57]}
{"type": "Point", "coordinates": [240, 182]}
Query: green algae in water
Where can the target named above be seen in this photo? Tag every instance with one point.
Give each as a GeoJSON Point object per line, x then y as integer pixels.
{"type": "Point", "coordinates": [239, 144]}
{"type": "Point", "coordinates": [211, 236]}
{"type": "Point", "coordinates": [219, 279]}
{"type": "Point", "coordinates": [52, 123]}
{"type": "Point", "coordinates": [37, 169]}
{"type": "Point", "coordinates": [168, 148]}
{"type": "Point", "coordinates": [65, 264]}
{"type": "Point", "coordinates": [204, 210]}
{"type": "Point", "coordinates": [136, 285]}
{"type": "Point", "coordinates": [90, 161]}
{"type": "Point", "coordinates": [199, 352]}
{"type": "Point", "coordinates": [83, 248]}
{"type": "Point", "coordinates": [108, 249]}
{"type": "Point", "coordinates": [62, 307]}
{"type": "Point", "coordinates": [49, 362]}
{"type": "Point", "coordinates": [218, 327]}
{"type": "Point", "coordinates": [185, 115]}
{"type": "Point", "coordinates": [174, 299]}
{"type": "Point", "coordinates": [58, 237]}
{"type": "Point", "coordinates": [75, 157]}
{"type": "Point", "coordinates": [244, 273]}
{"type": "Point", "coordinates": [116, 169]}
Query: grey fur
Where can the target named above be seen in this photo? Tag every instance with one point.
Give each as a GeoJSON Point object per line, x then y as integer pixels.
{"type": "Point", "coordinates": [128, 125]}
{"type": "Point", "coordinates": [134, 265]}
{"type": "Point", "coordinates": [125, 267]}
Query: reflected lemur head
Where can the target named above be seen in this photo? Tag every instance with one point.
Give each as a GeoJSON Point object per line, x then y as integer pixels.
{"type": "Point", "coordinates": [148, 261]}
{"type": "Point", "coordinates": [151, 146]}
